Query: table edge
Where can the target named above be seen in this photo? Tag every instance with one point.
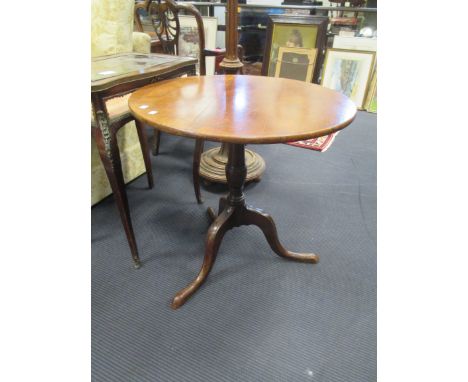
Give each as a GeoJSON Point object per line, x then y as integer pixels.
{"type": "Point", "coordinates": [123, 79]}
{"type": "Point", "coordinates": [266, 140]}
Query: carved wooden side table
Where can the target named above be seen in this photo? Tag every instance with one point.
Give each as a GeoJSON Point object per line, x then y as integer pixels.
{"type": "Point", "coordinates": [117, 75]}
{"type": "Point", "coordinates": [239, 110]}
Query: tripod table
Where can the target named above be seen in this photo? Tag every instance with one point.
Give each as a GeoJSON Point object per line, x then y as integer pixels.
{"type": "Point", "coordinates": [238, 110]}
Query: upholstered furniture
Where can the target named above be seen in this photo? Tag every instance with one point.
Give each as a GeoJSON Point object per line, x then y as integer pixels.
{"type": "Point", "coordinates": [111, 33]}
{"type": "Point", "coordinates": [120, 74]}
{"type": "Point", "coordinates": [119, 151]}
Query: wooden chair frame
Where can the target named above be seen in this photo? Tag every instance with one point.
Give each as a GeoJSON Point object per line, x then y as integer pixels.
{"type": "Point", "coordinates": [164, 16]}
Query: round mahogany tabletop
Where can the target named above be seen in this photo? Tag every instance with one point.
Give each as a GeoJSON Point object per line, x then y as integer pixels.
{"type": "Point", "coordinates": [242, 109]}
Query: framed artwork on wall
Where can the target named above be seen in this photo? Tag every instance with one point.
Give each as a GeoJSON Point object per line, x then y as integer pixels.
{"type": "Point", "coordinates": [188, 39]}
{"type": "Point", "coordinates": [295, 63]}
{"type": "Point", "coordinates": [294, 31]}
{"type": "Point", "coordinates": [349, 72]}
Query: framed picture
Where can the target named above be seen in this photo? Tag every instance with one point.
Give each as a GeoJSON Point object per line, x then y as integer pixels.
{"type": "Point", "coordinates": [371, 99]}
{"type": "Point", "coordinates": [188, 39]}
{"type": "Point", "coordinates": [295, 63]}
{"type": "Point", "coordinates": [294, 31]}
{"type": "Point", "coordinates": [349, 72]}
{"type": "Point", "coordinates": [355, 43]}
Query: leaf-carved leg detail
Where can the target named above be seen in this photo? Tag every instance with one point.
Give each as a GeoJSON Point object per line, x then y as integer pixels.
{"type": "Point", "coordinates": [103, 125]}
{"type": "Point", "coordinates": [108, 149]}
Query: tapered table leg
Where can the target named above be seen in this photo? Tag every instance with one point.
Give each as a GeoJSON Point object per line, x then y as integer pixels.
{"type": "Point", "coordinates": [155, 141]}
{"type": "Point", "coordinates": [144, 149]}
{"type": "Point", "coordinates": [197, 152]}
{"type": "Point", "coordinates": [234, 212]}
{"type": "Point", "coordinates": [106, 142]}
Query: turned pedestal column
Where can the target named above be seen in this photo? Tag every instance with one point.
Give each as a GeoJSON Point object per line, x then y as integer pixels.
{"type": "Point", "coordinates": [213, 162]}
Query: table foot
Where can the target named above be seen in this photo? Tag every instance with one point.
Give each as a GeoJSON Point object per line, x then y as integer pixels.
{"type": "Point", "coordinates": [266, 223]}
{"type": "Point", "coordinates": [213, 240]}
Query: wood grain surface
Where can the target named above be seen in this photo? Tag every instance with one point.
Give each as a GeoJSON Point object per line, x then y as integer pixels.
{"type": "Point", "coordinates": [242, 109]}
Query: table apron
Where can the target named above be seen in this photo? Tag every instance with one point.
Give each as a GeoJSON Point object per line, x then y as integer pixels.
{"type": "Point", "coordinates": [132, 85]}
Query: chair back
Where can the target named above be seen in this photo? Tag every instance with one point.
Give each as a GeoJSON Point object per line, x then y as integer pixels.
{"type": "Point", "coordinates": [164, 16]}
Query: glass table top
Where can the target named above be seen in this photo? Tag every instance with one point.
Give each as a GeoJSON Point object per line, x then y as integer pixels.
{"type": "Point", "coordinates": [108, 67]}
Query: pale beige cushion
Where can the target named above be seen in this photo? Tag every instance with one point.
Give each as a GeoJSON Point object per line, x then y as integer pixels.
{"type": "Point", "coordinates": [130, 156]}
{"type": "Point", "coordinates": [111, 33]}
{"type": "Point", "coordinates": [111, 26]}
{"type": "Point", "coordinates": [129, 148]}
{"type": "Point", "coordinates": [141, 42]}
{"type": "Point", "coordinates": [116, 107]}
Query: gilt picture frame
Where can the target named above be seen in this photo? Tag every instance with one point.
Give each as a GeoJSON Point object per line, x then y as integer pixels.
{"type": "Point", "coordinates": [296, 63]}
{"type": "Point", "coordinates": [371, 98]}
{"type": "Point", "coordinates": [349, 72]}
{"type": "Point", "coordinates": [295, 31]}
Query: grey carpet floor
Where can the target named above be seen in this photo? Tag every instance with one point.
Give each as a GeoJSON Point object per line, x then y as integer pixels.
{"type": "Point", "coordinates": [258, 317]}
